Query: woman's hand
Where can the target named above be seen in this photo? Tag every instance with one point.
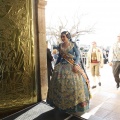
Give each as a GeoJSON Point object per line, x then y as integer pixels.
{"type": "Point", "coordinates": [75, 69]}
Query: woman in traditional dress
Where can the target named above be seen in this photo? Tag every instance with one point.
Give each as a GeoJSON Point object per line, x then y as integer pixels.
{"type": "Point", "coordinates": [69, 91]}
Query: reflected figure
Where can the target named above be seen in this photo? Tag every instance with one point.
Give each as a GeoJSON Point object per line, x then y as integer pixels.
{"type": "Point", "coordinates": [49, 65]}
{"type": "Point", "coordinates": [114, 60]}
{"type": "Point", "coordinates": [95, 62]}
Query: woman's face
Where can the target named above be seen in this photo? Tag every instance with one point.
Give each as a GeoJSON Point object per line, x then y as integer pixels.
{"type": "Point", "coordinates": [94, 45]}
{"type": "Point", "coordinates": [64, 38]}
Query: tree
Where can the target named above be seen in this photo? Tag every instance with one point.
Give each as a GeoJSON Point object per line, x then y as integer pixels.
{"type": "Point", "coordinates": [73, 25]}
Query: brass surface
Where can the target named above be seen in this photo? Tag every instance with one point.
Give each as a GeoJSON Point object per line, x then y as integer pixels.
{"type": "Point", "coordinates": [17, 62]}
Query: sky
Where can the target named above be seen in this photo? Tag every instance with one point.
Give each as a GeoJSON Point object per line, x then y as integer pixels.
{"type": "Point", "coordinates": [103, 14]}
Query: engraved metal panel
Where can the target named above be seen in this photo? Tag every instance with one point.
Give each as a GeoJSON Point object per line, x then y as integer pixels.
{"type": "Point", "coordinates": [17, 62]}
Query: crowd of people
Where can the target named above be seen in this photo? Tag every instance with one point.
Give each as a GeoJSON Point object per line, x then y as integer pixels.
{"type": "Point", "coordinates": [69, 85]}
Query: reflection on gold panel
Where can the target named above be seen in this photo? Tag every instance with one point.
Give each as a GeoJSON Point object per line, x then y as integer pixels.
{"type": "Point", "coordinates": [17, 64]}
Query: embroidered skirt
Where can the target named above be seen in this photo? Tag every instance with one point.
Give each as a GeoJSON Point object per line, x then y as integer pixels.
{"type": "Point", "coordinates": [68, 90]}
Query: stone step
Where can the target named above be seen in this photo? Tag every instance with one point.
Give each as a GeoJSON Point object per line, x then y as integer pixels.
{"type": "Point", "coordinates": [41, 111]}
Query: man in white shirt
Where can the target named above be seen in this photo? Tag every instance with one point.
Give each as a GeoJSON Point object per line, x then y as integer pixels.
{"type": "Point", "coordinates": [114, 60]}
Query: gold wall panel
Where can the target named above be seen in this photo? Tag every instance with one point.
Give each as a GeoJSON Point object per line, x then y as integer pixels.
{"type": "Point", "coordinates": [17, 62]}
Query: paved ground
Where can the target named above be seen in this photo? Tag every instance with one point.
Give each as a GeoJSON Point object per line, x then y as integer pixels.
{"type": "Point", "coordinates": [105, 102]}
{"type": "Point", "coordinates": [41, 111]}
{"type": "Point", "coordinates": [104, 105]}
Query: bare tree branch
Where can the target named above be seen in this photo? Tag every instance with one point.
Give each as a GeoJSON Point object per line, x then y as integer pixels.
{"type": "Point", "coordinates": [74, 28]}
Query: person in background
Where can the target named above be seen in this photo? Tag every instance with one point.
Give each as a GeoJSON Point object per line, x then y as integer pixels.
{"type": "Point", "coordinates": [114, 60]}
{"type": "Point", "coordinates": [105, 57]}
{"type": "Point", "coordinates": [107, 53]}
{"type": "Point", "coordinates": [49, 65]}
{"type": "Point", "coordinates": [94, 62]}
{"type": "Point", "coordinates": [55, 56]}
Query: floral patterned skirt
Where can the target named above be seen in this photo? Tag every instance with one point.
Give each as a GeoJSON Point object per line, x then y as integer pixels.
{"type": "Point", "coordinates": [68, 90]}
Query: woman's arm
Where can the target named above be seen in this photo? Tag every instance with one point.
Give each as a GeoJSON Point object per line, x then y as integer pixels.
{"type": "Point", "coordinates": [58, 59]}
{"type": "Point", "coordinates": [77, 54]}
